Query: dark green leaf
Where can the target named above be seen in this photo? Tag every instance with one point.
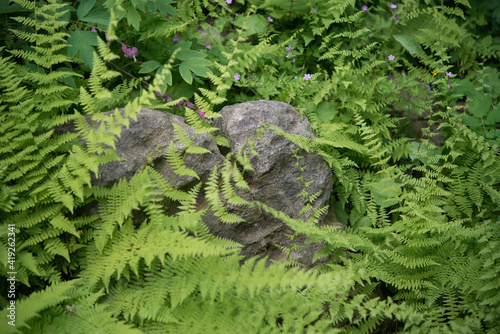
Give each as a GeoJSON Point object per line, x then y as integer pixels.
{"type": "Point", "coordinates": [325, 111]}
{"type": "Point", "coordinates": [149, 66]}
{"type": "Point", "coordinates": [186, 74]}
{"type": "Point", "coordinates": [97, 16]}
{"type": "Point", "coordinates": [165, 8]}
{"type": "Point", "coordinates": [84, 8]}
{"type": "Point", "coordinates": [82, 42]}
{"type": "Point", "coordinates": [409, 43]}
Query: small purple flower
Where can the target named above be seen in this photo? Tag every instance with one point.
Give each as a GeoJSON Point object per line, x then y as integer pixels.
{"type": "Point", "coordinates": [364, 8]}
{"type": "Point", "coordinates": [190, 105]}
{"type": "Point", "coordinates": [237, 77]}
{"type": "Point", "coordinates": [125, 49]}
{"type": "Point", "coordinates": [391, 57]}
{"type": "Point", "coordinates": [208, 46]}
{"type": "Point", "coordinates": [315, 10]}
{"type": "Point", "coordinates": [293, 60]}
{"type": "Point", "coordinates": [229, 1]}
{"type": "Point", "coordinates": [176, 39]}
{"type": "Point", "coordinates": [93, 30]}
{"type": "Point", "coordinates": [162, 97]}
{"type": "Point", "coordinates": [270, 19]}
{"type": "Point", "coordinates": [307, 77]}
{"type": "Point", "coordinates": [449, 74]}
{"type": "Point", "coordinates": [393, 6]}
{"type": "Point", "coordinates": [169, 99]}
{"type": "Point", "coordinates": [201, 113]}
{"type": "Point", "coordinates": [289, 48]}
{"type": "Point", "coordinates": [449, 86]}
{"type": "Point", "coordinates": [295, 77]}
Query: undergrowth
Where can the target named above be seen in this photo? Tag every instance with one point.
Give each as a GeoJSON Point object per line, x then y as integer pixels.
{"type": "Point", "coordinates": [420, 209]}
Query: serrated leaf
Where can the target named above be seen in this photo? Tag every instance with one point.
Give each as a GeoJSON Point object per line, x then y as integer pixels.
{"type": "Point", "coordinates": [82, 42]}
{"type": "Point", "coordinates": [165, 8]}
{"type": "Point", "coordinates": [133, 17]}
{"type": "Point", "coordinates": [409, 43]}
{"type": "Point", "coordinates": [149, 66]}
{"type": "Point", "coordinates": [480, 105]}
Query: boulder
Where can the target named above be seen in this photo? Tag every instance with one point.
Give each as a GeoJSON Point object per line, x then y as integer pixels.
{"type": "Point", "coordinates": [273, 182]}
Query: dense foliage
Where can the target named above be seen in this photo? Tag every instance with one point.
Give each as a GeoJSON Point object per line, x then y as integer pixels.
{"type": "Point", "coordinates": [420, 252]}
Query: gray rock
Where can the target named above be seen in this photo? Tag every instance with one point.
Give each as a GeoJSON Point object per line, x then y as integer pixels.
{"type": "Point", "coordinates": [274, 180]}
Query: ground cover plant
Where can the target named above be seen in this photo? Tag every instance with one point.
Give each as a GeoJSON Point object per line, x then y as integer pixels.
{"type": "Point", "coordinates": [420, 252]}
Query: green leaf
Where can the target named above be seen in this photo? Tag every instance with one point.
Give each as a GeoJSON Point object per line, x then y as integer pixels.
{"type": "Point", "coordinates": [133, 16]}
{"type": "Point", "coordinates": [409, 43]}
{"type": "Point", "coordinates": [82, 42]}
{"type": "Point", "coordinates": [186, 74]}
{"type": "Point", "coordinates": [186, 54]}
{"type": "Point", "coordinates": [97, 16]}
{"type": "Point", "coordinates": [480, 105]}
{"type": "Point", "coordinates": [308, 38]}
{"type": "Point", "coordinates": [165, 8]}
{"type": "Point", "coordinates": [255, 24]}
{"type": "Point", "coordinates": [168, 78]}
{"type": "Point", "coordinates": [471, 121]}
{"type": "Point", "coordinates": [493, 116]}
{"type": "Point", "coordinates": [84, 8]}
{"type": "Point", "coordinates": [325, 111]}
{"type": "Point", "coordinates": [385, 192]}
{"type": "Point", "coordinates": [149, 66]}
{"type": "Point", "coordinates": [362, 222]}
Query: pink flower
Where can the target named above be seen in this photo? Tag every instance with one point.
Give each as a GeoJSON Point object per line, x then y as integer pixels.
{"type": "Point", "coordinates": [449, 86]}
{"type": "Point", "coordinates": [93, 29]}
{"type": "Point", "coordinates": [364, 8]}
{"type": "Point", "coordinates": [130, 53]}
{"type": "Point", "coordinates": [391, 57]}
{"type": "Point", "coordinates": [237, 77]}
{"type": "Point", "coordinates": [176, 39]}
{"type": "Point", "coordinates": [307, 77]}
{"type": "Point", "coordinates": [449, 74]}
{"type": "Point", "coordinates": [315, 10]}
{"type": "Point", "coordinates": [208, 46]}
{"type": "Point", "coordinates": [393, 6]}
{"type": "Point", "coordinates": [229, 1]}
{"type": "Point", "coordinates": [201, 113]}
{"type": "Point", "coordinates": [289, 48]}
{"type": "Point", "coordinates": [270, 19]}
{"type": "Point", "coordinates": [190, 105]}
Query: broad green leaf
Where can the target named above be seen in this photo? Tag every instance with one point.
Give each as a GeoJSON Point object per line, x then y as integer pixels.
{"type": "Point", "coordinates": [133, 17]}
{"type": "Point", "coordinates": [197, 62]}
{"type": "Point", "coordinates": [409, 43]}
{"type": "Point", "coordinates": [165, 8]}
{"type": "Point", "coordinates": [168, 78]}
{"type": "Point", "coordinates": [362, 222]}
{"type": "Point", "coordinates": [480, 106]}
{"type": "Point", "coordinates": [325, 111]}
{"type": "Point", "coordinates": [84, 8]}
{"type": "Point", "coordinates": [82, 42]}
{"type": "Point", "coordinates": [308, 38]}
{"type": "Point", "coordinates": [149, 66]}
{"type": "Point", "coordinates": [186, 54]}
{"type": "Point", "coordinates": [385, 192]}
{"type": "Point", "coordinates": [97, 16]}
{"type": "Point", "coordinates": [493, 116]}
{"type": "Point", "coordinates": [255, 24]}
{"type": "Point", "coordinates": [186, 74]}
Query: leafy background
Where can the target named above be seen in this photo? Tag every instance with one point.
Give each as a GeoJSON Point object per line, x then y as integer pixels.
{"type": "Point", "coordinates": [420, 249]}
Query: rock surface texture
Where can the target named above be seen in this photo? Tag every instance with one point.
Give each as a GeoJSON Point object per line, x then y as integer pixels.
{"type": "Point", "coordinates": [273, 182]}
